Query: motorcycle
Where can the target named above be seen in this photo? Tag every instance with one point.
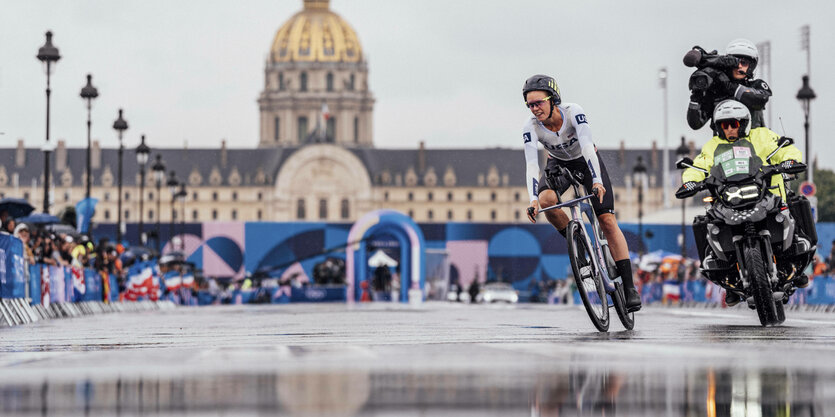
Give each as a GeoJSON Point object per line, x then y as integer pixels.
{"type": "Point", "coordinates": [747, 225]}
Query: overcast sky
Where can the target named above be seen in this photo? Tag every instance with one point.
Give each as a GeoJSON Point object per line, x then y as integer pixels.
{"type": "Point", "coordinates": [445, 72]}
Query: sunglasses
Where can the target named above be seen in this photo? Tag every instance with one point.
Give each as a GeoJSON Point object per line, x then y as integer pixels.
{"type": "Point", "coordinates": [745, 62]}
{"type": "Point", "coordinates": [537, 103]}
{"type": "Point", "coordinates": [729, 124]}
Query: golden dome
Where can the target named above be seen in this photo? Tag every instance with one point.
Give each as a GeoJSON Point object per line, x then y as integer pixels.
{"type": "Point", "coordinates": [316, 34]}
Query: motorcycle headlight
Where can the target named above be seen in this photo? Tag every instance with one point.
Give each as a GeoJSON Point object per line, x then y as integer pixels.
{"type": "Point", "coordinates": [734, 195]}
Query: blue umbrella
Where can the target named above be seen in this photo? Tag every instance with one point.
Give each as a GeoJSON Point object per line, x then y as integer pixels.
{"type": "Point", "coordinates": [39, 218]}
{"type": "Point", "coordinates": [16, 207]}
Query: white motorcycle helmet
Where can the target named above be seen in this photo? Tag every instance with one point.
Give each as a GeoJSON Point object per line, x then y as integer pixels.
{"type": "Point", "coordinates": [744, 48]}
{"type": "Point", "coordinates": [732, 110]}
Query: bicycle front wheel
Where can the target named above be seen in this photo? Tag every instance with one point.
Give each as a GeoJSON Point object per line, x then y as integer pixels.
{"type": "Point", "coordinates": [588, 279]}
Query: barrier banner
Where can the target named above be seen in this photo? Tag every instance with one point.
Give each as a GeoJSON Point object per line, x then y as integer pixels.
{"type": "Point", "coordinates": [318, 294]}
{"type": "Point", "coordinates": [78, 286]}
{"type": "Point", "coordinates": [35, 283]}
{"type": "Point", "coordinates": [822, 290]}
{"type": "Point", "coordinates": [12, 275]}
{"type": "Point", "coordinates": [57, 293]}
{"type": "Point", "coordinates": [69, 290]}
{"type": "Point", "coordinates": [93, 285]}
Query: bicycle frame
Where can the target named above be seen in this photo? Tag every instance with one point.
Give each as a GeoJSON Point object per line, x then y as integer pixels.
{"type": "Point", "coordinates": [580, 205]}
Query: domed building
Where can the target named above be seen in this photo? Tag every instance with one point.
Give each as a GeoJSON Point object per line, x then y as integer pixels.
{"type": "Point", "coordinates": [316, 83]}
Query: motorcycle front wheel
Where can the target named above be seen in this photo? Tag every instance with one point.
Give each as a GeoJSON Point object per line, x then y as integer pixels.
{"type": "Point", "coordinates": [761, 287]}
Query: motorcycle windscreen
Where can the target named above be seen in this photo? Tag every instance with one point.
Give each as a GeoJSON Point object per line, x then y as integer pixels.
{"type": "Point", "coordinates": [736, 161]}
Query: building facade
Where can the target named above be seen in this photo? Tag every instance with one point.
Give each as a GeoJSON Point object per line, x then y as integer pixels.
{"type": "Point", "coordinates": [315, 160]}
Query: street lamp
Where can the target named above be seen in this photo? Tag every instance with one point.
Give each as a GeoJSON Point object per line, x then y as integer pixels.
{"type": "Point", "coordinates": [683, 151]}
{"type": "Point", "coordinates": [88, 92]}
{"type": "Point", "coordinates": [172, 186]}
{"type": "Point", "coordinates": [665, 175]}
{"type": "Point", "coordinates": [182, 196]}
{"type": "Point", "coordinates": [47, 54]}
{"type": "Point", "coordinates": [120, 125]}
{"type": "Point", "coordinates": [806, 95]}
{"type": "Point", "coordinates": [639, 177]}
{"type": "Point", "coordinates": [142, 152]}
{"type": "Point", "coordinates": [159, 175]}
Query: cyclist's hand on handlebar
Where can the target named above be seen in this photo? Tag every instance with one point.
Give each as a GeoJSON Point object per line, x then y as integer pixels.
{"type": "Point", "coordinates": [599, 190]}
{"type": "Point", "coordinates": [533, 210]}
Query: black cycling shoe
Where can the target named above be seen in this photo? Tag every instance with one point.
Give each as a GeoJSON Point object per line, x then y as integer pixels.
{"type": "Point", "coordinates": [732, 298]}
{"type": "Point", "coordinates": [801, 281]}
{"type": "Point", "coordinates": [633, 299]}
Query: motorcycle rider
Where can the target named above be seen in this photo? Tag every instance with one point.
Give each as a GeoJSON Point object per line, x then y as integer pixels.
{"type": "Point", "coordinates": [564, 131]}
{"type": "Point", "coordinates": [733, 123]}
{"type": "Point", "coordinates": [736, 84]}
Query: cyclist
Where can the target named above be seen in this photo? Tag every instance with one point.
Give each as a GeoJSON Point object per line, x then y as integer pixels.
{"type": "Point", "coordinates": [563, 130]}
{"type": "Point", "coordinates": [736, 84]}
{"type": "Point", "coordinates": [733, 121]}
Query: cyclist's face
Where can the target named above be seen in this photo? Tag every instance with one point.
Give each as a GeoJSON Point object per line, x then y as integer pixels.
{"type": "Point", "coordinates": [536, 101]}
{"type": "Point", "coordinates": [742, 69]}
{"type": "Point", "coordinates": [731, 132]}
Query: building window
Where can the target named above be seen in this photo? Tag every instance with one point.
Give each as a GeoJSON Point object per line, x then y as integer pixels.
{"type": "Point", "coordinates": [493, 215]}
{"type": "Point", "coordinates": [174, 215]}
{"type": "Point", "coordinates": [26, 195]}
{"type": "Point", "coordinates": [449, 215]}
{"type": "Point", "coordinates": [259, 215]}
{"type": "Point", "coordinates": [469, 196]}
{"type": "Point", "coordinates": [449, 196]}
{"type": "Point", "coordinates": [430, 196]}
{"type": "Point", "coordinates": [150, 196]}
{"type": "Point", "coordinates": [303, 82]}
{"type": "Point", "coordinates": [492, 196]}
{"type": "Point", "coordinates": [469, 214]}
{"type": "Point", "coordinates": [234, 196]}
{"type": "Point", "coordinates": [411, 196]}
{"type": "Point", "coordinates": [194, 196]}
{"type": "Point", "coordinates": [516, 196]}
{"type": "Point", "coordinates": [356, 130]}
{"type": "Point", "coordinates": [260, 196]}
{"type": "Point", "coordinates": [127, 196]}
{"type": "Point", "coordinates": [323, 209]}
{"type": "Point", "coordinates": [412, 214]}
{"type": "Point", "coordinates": [351, 82]}
{"type": "Point", "coordinates": [300, 210]}
{"type": "Point", "coordinates": [386, 196]}
{"type": "Point", "coordinates": [127, 215]}
{"type": "Point", "coordinates": [329, 81]}
{"type": "Point", "coordinates": [277, 127]}
{"type": "Point", "coordinates": [107, 214]}
{"type": "Point", "coordinates": [330, 131]}
{"type": "Point", "coordinates": [280, 81]}
{"type": "Point", "coordinates": [106, 196]}
{"type": "Point", "coordinates": [150, 215]}
{"type": "Point", "coordinates": [214, 214]}
{"type": "Point", "coordinates": [214, 196]}
{"type": "Point", "coordinates": [194, 214]}
{"type": "Point", "coordinates": [344, 209]}
{"type": "Point", "coordinates": [234, 214]}
{"type": "Point", "coordinates": [302, 124]}
{"type": "Point", "coordinates": [516, 215]}
{"type": "Point", "coordinates": [430, 215]}
{"type": "Point", "coordinates": [66, 196]}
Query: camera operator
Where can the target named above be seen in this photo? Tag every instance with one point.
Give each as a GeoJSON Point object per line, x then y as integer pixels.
{"type": "Point", "coordinates": [723, 77]}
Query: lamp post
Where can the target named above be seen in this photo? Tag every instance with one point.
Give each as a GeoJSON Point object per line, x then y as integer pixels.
{"type": "Point", "coordinates": [683, 151]}
{"type": "Point", "coordinates": [47, 54]}
{"type": "Point", "coordinates": [88, 92]}
{"type": "Point", "coordinates": [172, 186]}
{"type": "Point", "coordinates": [665, 175]}
{"type": "Point", "coordinates": [142, 152]}
{"type": "Point", "coordinates": [639, 176]}
{"type": "Point", "coordinates": [120, 125]}
{"type": "Point", "coordinates": [182, 196]}
{"type": "Point", "coordinates": [159, 175]}
{"type": "Point", "coordinates": [806, 95]}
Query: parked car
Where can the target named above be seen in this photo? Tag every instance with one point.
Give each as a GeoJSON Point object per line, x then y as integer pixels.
{"type": "Point", "coordinates": [498, 291]}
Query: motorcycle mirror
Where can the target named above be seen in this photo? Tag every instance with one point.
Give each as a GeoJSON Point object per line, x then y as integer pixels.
{"type": "Point", "coordinates": [683, 162]}
{"type": "Point", "coordinates": [784, 141]}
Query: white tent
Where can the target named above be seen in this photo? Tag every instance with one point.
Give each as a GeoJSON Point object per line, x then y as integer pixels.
{"type": "Point", "coordinates": [380, 258]}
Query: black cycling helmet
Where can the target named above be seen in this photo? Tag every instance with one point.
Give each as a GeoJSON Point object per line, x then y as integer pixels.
{"type": "Point", "coordinates": [545, 83]}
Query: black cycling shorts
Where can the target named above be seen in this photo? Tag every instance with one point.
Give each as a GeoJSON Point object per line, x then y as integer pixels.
{"type": "Point", "coordinates": [579, 165]}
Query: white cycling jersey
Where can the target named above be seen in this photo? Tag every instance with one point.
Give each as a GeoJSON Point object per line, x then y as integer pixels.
{"type": "Point", "coordinates": [571, 142]}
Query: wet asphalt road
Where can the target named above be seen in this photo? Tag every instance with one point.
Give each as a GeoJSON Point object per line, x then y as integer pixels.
{"type": "Point", "coordinates": [434, 359]}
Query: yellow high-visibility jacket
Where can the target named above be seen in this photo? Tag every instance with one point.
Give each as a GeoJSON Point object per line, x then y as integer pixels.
{"type": "Point", "coordinates": [764, 141]}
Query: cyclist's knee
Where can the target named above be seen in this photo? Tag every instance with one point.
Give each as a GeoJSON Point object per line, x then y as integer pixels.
{"type": "Point", "coordinates": [608, 222]}
{"type": "Point", "coordinates": [547, 198]}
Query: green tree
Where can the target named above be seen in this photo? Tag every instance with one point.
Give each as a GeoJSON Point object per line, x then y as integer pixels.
{"type": "Point", "coordinates": [825, 185]}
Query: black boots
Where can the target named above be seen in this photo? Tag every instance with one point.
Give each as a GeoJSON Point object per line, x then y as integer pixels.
{"type": "Point", "coordinates": [633, 299]}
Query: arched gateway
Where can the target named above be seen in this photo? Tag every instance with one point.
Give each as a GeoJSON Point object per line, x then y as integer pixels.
{"type": "Point", "coordinates": [412, 254]}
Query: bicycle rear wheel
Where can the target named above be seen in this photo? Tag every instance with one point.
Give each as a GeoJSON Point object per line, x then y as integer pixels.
{"type": "Point", "coordinates": [588, 279]}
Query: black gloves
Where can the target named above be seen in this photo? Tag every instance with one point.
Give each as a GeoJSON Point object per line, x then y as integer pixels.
{"type": "Point", "coordinates": [688, 189]}
{"type": "Point", "coordinates": [788, 165]}
{"type": "Point", "coordinates": [724, 85]}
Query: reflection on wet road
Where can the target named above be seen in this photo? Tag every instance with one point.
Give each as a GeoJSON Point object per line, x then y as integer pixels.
{"type": "Point", "coordinates": [439, 359]}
